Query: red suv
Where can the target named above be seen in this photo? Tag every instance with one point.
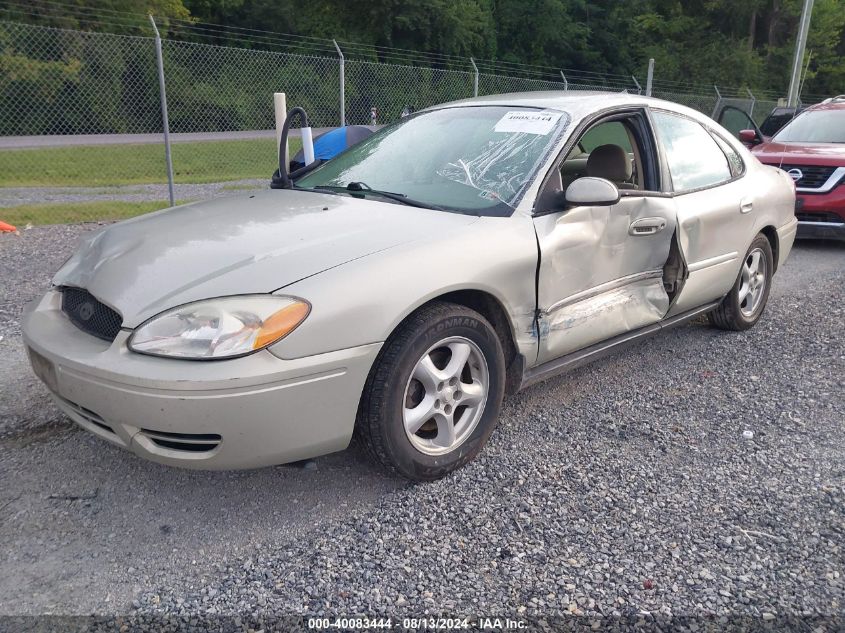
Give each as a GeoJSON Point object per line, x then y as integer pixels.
{"type": "Point", "coordinates": [811, 149]}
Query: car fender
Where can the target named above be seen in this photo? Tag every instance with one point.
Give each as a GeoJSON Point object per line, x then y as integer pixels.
{"type": "Point", "coordinates": [363, 301]}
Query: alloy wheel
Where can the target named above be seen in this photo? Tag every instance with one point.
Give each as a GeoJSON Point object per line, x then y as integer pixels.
{"type": "Point", "coordinates": [753, 279]}
{"type": "Point", "coordinates": [445, 395]}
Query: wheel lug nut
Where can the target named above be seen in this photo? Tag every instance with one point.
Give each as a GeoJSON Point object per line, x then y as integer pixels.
{"type": "Point", "coordinates": [453, 381]}
{"type": "Point", "coordinates": [448, 409]}
{"type": "Point", "coordinates": [440, 386]}
{"type": "Point", "coordinates": [437, 404]}
{"type": "Point", "coordinates": [458, 395]}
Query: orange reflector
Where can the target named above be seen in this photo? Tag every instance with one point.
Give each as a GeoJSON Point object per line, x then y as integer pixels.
{"type": "Point", "coordinates": [280, 323]}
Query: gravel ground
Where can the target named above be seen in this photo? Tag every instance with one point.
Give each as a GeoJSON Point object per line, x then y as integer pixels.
{"type": "Point", "coordinates": [16, 196]}
{"type": "Point", "coordinates": [626, 487]}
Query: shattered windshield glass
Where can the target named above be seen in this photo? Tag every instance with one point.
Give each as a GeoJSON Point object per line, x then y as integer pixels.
{"type": "Point", "coordinates": [472, 159]}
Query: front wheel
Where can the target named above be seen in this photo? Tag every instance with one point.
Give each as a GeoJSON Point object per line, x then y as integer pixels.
{"type": "Point", "coordinates": [433, 396]}
{"type": "Point", "coordinates": [743, 305]}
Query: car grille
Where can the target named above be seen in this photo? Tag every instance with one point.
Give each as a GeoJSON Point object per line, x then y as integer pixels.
{"type": "Point", "coordinates": [187, 442]}
{"type": "Point", "coordinates": [89, 314]}
{"type": "Point", "coordinates": [88, 415]}
{"type": "Point", "coordinates": [813, 176]}
{"type": "Point", "coordinates": [191, 442]}
{"type": "Point", "coordinates": [819, 216]}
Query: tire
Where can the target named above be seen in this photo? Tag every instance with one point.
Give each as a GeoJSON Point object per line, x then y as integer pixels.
{"type": "Point", "coordinates": [744, 304]}
{"type": "Point", "coordinates": [420, 372]}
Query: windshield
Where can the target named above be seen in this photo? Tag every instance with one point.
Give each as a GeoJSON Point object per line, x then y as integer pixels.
{"type": "Point", "coordinates": [815, 126]}
{"type": "Point", "coordinates": [470, 159]}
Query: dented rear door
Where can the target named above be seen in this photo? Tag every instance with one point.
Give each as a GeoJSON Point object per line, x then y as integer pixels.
{"type": "Point", "coordinates": [601, 271]}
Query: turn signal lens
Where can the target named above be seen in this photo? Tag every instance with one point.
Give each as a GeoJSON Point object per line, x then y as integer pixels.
{"type": "Point", "coordinates": [280, 324]}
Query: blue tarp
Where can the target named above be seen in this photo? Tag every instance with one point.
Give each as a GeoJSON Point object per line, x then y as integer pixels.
{"type": "Point", "coordinates": [331, 143]}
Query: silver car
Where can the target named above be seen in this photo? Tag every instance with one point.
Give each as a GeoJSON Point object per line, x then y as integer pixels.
{"type": "Point", "coordinates": [399, 291]}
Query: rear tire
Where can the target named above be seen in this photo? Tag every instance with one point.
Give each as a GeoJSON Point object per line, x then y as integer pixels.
{"type": "Point", "coordinates": [433, 396]}
{"type": "Point", "coordinates": [744, 304]}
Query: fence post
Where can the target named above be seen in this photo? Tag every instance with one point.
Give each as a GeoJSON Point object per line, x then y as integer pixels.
{"type": "Point", "coordinates": [650, 78]}
{"type": "Point", "coordinates": [565, 83]}
{"type": "Point", "coordinates": [342, 85]}
{"type": "Point", "coordinates": [718, 101]}
{"type": "Point", "coordinates": [639, 87]}
{"type": "Point", "coordinates": [475, 78]}
{"type": "Point", "coordinates": [753, 101]}
{"type": "Point", "coordinates": [164, 122]}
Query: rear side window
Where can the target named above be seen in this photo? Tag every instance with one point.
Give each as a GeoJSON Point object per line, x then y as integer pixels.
{"type": "Point", "coordinates": [734, 159]}
{"type": "Point", "coordinates": [693, 157]}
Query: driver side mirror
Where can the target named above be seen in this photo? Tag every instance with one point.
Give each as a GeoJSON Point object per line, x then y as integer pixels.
{"type": "Point", "coordinates": [592, 192]}
{"type": "Point", "coordinates": [749, 137]}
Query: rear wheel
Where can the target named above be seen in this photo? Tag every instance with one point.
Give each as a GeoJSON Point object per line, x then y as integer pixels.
{"type": "Point", "coordinates": [433, 396]}
{"type": "Point", "coordinates": [744, 304]}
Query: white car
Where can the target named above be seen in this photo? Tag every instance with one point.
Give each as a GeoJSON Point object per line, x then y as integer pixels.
{"type": "Point", "coordinates": [403, 288]}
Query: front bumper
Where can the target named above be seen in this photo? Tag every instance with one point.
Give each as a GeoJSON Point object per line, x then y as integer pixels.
{"type": "Point", "coordinates": [822, 215]}
{"type": "Point", "coordinates": [245, 412]}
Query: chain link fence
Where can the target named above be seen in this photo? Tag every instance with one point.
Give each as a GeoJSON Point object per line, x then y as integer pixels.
{"type": "Point", "coordinates": [81, 133]}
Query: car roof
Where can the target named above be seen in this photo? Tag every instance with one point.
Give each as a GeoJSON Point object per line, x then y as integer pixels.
{"type": "Point", "coordinates": [577, 103]}
{"type": "Point", "coordinates": [834, 103]}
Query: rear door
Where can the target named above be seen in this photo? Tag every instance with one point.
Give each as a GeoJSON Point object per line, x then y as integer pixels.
{"type": "Point", "coordinates": [715, 209]}
{"type": "Point", "coordinates": [601, 267]}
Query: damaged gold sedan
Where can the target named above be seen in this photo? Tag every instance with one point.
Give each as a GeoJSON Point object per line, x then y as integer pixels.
{"type": "Point", "coordinates": [402, 289]}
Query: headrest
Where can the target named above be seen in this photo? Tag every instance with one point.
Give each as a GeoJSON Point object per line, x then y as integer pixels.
{"type": "Point", "coordinates": [610, 162]}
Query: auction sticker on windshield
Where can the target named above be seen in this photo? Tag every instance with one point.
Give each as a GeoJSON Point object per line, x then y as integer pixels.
{"type": "Point", "coordinates": [528, 122]}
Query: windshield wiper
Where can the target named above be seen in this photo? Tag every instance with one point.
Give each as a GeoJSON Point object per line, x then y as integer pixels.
{"type": "Point", "coordinates": [363, 188]}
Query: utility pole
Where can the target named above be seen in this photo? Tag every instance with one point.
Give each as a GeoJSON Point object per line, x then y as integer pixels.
{"type": "Point", "coordinates": [798, 61]}
{"type": "Point", "coordinates": [649, 78]}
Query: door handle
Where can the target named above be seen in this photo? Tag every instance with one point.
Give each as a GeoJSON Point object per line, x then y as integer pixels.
{"type": "Point", "coordinates": [746, 205]}
{"type": "Point", "coordinates": [647, 226]}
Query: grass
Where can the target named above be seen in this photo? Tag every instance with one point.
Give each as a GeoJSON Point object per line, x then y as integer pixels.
{"type": "Point", "coordinates": [62, 213]}
{"type": "Point", "coordinates": [120, 165]}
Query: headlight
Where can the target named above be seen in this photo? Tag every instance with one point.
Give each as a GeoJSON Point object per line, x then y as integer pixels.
{"type": "Point", "coordinates": [220, 328]}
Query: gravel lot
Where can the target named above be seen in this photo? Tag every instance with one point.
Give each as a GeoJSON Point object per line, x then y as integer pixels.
{"type": "Point", "coordinates": [625, 487]}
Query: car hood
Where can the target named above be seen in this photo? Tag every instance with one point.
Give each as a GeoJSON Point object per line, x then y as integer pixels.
{"type": "Point", "coordinates": [774, 153]}
{"type": "Point", "coordinates": [238, 245]}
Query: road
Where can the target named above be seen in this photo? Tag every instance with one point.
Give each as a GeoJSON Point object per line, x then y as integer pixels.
{"type": "Point", "coordinates": [67, 140]}
{"type": "Point", "coordinates": [624, 487]}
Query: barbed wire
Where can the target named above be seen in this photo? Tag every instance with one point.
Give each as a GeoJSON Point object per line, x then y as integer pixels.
{"type": "Point", "coordinates": [249, 37]}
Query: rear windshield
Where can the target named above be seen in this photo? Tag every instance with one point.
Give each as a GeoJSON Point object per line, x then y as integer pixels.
{"type": "Point", "coordinates": [815, 126]}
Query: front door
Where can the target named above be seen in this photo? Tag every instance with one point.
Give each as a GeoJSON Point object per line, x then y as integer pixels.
{"type": "Point", "coordinates": [601, 268]}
